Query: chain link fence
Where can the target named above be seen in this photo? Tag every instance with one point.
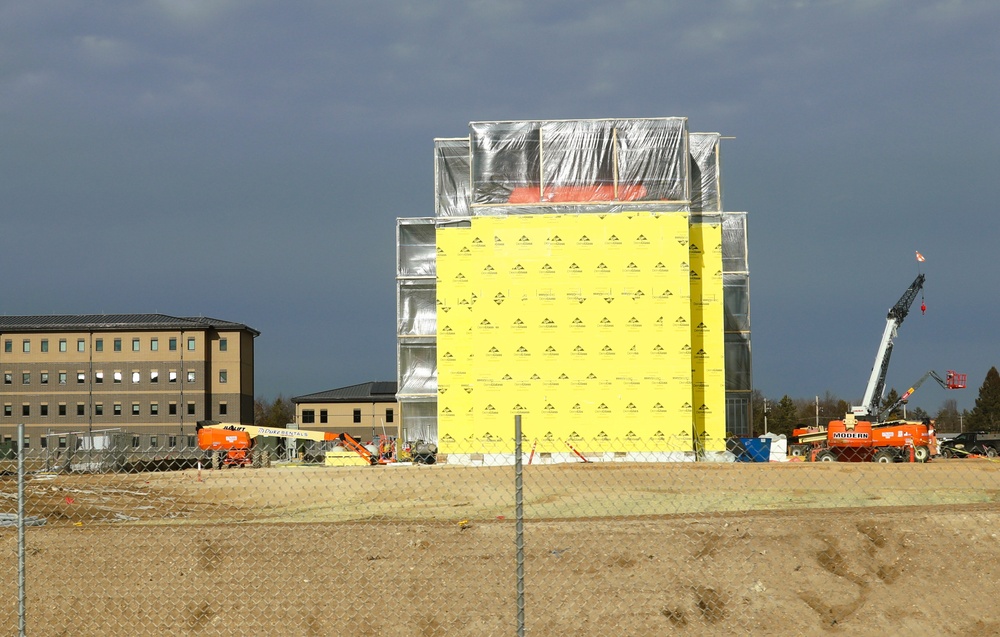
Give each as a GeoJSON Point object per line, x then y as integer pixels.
{"type": "Point", "coordinates": [513, 543]}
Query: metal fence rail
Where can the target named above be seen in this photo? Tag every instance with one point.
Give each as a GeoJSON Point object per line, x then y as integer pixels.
{"type": "Point", "coordinates": [597, 544]}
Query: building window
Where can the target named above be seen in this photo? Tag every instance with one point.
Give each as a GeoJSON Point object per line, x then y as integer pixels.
{"type": "Point", "coordinates": [323, 417]}
{"type": "Point", "coordinates": [118, 409]}
{"type": "Point", "coordinates": [8, 378]}
{"type": "Point", "coordinates": [80, 409]}
{"type": "Point", "coordinates": [223, 409]}
{"type": "Point", "coordinates": [99, 377]}
{"type": "Point", "coordinates": [26, 378]}
{"type": "Point", "coordinates": [98, 409]}
{"type": "Point", "coordinates": [135, 378]}
{"type": "Point", "coordinates": [81, 345]}
{"type": "Point", "coordinates": [153, 441]}
{"type": "Point", "coordinates": [62, 378]}
{"type": "Point", "coordinates": [135, 345]}
{"type": "Point", "coordinates": [135, 409]}
{"type": "Point", "coordinates": [43, 409]}
{"type": "Point", "coordinates": [25, 409]}
{"type": "Point", "coordinates": [44, 442]}
{"type": "Point", "coordinates": [62, 442]}
{"type": "Point", "coordinates": [62, 344]}
{"type": "Point", "coordinates": [172, 377]}
{"type": "Point", "coordinates": [192, 441]}
{"type": "Point", "coordinates": [8, 410]}
{"type": "Point", "coordinates": [45, 345]}
{"type": "Point", "coordinates": [81, 377]}
{"type": "Point", "coordinates": [135, 442]}
{"type": "Point", "coordinates": [190, 343]}
{"type": "Point", "coordinates": [154, 344]}
{"type": "Point", "coordinates": [118, 344]}
{"type": "Point", "coordinates": [117, 377]}
{"type": "Point", "coordinates": [308, 416]}
{"type": "Point", "coordinates": [190, 376]}
{"type": "Point", "coordinates": [171, 441]}
{"type": "Point", "coordinates": [26, 346]}
{"type": "Point", "coordinates": [8, 346]}
{"type": "Point", "coordinates": [99, 345]}
{"type": "Point", "coordinates": [357, 415]}
{"type": "Point", "coordinates": [223, 345]}
{"type": "Point", "coordinates": [62, 409]}
{"type": "Point", "coordinates": [172, 409]}
{"type": "Point", "coordinates": [154, 409]}
{"type": "Point", "coordinates": [26, 443]}
{"type": "Point", "coordinates": [190, 409]}
{"type": "Point", "coordinates": [172, 344]}
{"type": "Point", "coordinates": [154, 376]}
{"type": "Point", "coordinates": [43, 378]}
{"type": "Point", "coordinates": [223, 376]}
{"type": "Point", "coordinates": [388, 415]}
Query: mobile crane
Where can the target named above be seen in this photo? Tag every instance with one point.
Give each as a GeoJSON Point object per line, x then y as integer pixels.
{"type": "Point", "coordinates": [861, 435]}
{"type": "Point", "coordinates": [876, 382]}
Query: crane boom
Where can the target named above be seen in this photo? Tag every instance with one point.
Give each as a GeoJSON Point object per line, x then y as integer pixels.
{"type": "Point", "coordinates": [882, 415]}
{"type": "Point", "coordinates": [876, 382]}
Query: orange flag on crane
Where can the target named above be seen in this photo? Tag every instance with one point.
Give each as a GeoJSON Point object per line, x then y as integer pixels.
{"type": "Point", "coordinates": [920, 257]}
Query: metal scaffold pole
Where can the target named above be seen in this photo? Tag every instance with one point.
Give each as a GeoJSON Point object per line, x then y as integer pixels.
{"type": "Point", "coordinates": [21, 610]}
{"type": "Point", "coordinates": [519, 525]}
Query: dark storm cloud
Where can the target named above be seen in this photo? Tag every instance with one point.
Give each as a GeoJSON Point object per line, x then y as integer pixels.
{"type": "Point", "coordinates": [248, 159]}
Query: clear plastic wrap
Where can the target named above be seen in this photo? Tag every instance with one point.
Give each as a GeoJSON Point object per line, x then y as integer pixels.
{"type": "Point", "coordinates": [579, 161]}
{"type": "Point", "coordinates": [415, 248]}
{"type": "Point", "coordinates": [736, 302]}
{"type": "Point", "coordinates": [419, 420]}
{"type": "Point", "coordinates": [706, 191]}
{"type": "Point", "coordinates": [734, 242]}
{"type": "Point", "coordinates": [417, 314]}
{"type": "Point", "coordinates": [417, 370]}
{"type": "Point", "coordinates": [452, 177]}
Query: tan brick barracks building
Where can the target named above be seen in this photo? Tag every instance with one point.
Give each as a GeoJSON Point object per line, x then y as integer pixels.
{"type": "Point", "coordinates": [147, 377]}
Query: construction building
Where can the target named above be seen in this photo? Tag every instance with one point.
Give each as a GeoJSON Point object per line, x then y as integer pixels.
{"type": "Point", "coordinates": [147, 378]}
{"type": "Point", "coordinates": [584, 275]}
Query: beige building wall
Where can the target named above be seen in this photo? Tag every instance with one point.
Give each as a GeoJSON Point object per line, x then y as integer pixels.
{"type": "Point", "coordinates": [142, 381]}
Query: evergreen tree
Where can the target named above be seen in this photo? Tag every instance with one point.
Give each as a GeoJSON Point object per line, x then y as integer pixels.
{"type": "Point", "coordinates": [985, 415]}
{"type": "Point", "coordinates": [783, 416]}
{"type": "Point", "coordinates": [889, 400]}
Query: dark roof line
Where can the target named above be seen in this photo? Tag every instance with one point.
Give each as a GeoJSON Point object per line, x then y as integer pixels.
{"type": "Point", "coordinates": [372, 391]}
{"type": "Point", "coordinates": [99, 322]}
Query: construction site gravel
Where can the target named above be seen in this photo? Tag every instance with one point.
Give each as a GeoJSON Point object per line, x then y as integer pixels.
{"type": "Point", "coordinates": [609, 548]}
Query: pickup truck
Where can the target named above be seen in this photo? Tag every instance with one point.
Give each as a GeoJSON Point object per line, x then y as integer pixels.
{"type": "Point", "coordinates": [972, 443]}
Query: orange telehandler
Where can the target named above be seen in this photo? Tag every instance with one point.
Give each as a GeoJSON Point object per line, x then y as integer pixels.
{"type": "Point", "coordinates": [237, 441]}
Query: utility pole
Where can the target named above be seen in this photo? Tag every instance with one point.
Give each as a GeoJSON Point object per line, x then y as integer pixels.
{"type": "Point", "coordinates": [817, 411]}
{"type": "Point", "coordinates": [765, 415]}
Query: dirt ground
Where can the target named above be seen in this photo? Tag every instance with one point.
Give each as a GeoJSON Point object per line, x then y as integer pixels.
{"type": "Point", "coordinates": [609, 548]}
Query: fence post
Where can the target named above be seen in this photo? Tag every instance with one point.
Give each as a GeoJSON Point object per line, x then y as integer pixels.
{"type": "Point", "coordinates": [21, 610]}
{"type": "Point", "coordinates": [519, 525]}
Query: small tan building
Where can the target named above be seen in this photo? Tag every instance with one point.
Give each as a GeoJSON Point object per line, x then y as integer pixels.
{"type": "Point", "coordinates": [364, 411]}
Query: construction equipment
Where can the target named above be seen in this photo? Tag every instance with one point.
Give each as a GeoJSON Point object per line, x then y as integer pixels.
{"type": "Point", "coordinates": [953, 380]}
{"type": "Point", "coordinates": [862, 435]}
{"type": "Point", "coordinates": [237, 441]}
{"type": "Point", "coordinates": [852, 440]}
{"type": "Point", "coordinates": [876, 382]}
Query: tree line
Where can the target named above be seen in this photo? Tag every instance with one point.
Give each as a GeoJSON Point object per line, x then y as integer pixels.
{"type": "Point", "coordinates": [786, 413]}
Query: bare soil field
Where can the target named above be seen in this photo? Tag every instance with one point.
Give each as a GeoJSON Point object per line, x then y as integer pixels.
{"type": "Point", "coordinates": [609, 548]}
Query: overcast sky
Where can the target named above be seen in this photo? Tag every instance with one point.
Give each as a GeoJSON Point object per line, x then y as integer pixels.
{"type": "Point", "coordinates": [246, 160]}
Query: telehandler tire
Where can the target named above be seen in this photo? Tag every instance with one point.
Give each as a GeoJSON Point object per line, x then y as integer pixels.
{"type": "Point", "coordinates": [884, 456]}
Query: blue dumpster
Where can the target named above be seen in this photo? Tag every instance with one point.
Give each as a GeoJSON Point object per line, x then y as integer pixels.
{"type": "Point", "coordinates": [754, 450]}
